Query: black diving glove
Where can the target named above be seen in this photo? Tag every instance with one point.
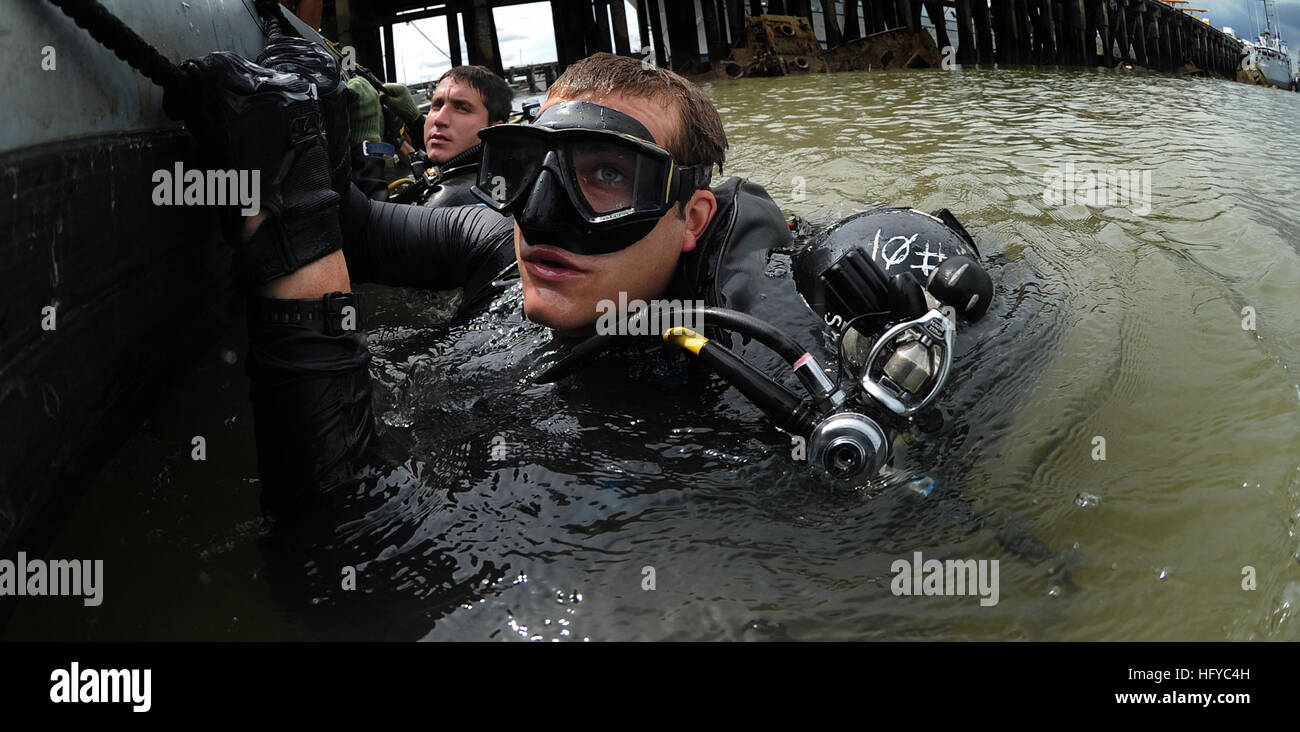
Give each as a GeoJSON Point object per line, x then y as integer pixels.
{"type": "Point", "coordinates": [307, 59]}
{"type": "Point", "coordinates": [257, 119]}
{"type": "Point", "coordinates": [394, 129]}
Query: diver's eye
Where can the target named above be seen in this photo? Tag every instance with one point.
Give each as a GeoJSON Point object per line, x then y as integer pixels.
{"type": "Point", "coordinates": [609, 175]}
{"type": "Point", "coordinates": [606, 176]}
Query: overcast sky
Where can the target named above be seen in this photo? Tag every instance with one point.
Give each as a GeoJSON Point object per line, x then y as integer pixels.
{"type": "Point", "coordinates": [1237, 14]}
{"type": "Point", "coordinates": [525, 32]}
{"type": "Point", "coordinates": [526, 35]}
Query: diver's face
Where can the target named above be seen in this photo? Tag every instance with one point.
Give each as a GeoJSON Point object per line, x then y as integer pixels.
{"type": "Point", "coordinates": [562, 289]}
{"type": "Point", "coordinates": [453, 122]}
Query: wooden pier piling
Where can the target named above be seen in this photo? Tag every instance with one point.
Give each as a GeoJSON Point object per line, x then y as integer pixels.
{"type": "Point", "coordinates": [1146, 33]}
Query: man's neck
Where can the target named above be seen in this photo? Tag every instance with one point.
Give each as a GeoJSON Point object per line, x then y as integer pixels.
{"type": "Point", "coordinates": [464, 157]}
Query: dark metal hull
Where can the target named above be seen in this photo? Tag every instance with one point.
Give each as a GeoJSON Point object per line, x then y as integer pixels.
{"type": "Point", "coordinates": [135, 287]}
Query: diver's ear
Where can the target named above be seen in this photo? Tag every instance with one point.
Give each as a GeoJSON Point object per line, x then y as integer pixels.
{"type": "Point", "coordinates": [699, 212]}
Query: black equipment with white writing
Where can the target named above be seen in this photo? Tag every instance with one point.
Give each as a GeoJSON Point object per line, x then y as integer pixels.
{"type": "Point", "coordinates": [855, 267]}
{"type": "Point", "coordinates": [893, 284]}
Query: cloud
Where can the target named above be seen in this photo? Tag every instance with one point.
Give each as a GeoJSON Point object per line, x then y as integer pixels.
{"type": "Point", "coordinates": [1246, 18]}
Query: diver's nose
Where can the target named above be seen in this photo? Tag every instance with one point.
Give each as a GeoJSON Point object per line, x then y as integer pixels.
{"type": "Point", "coordinates": [547, 205]}
{"type": "Point", "coordinates": [440, 116]}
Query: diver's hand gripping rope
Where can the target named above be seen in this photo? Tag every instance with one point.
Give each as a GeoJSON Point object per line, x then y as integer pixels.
{"type": "Point", "coordinates": [126, 44]}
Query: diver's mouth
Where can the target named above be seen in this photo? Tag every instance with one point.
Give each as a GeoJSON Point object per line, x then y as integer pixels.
{"type": "Point", "coordinates": [549, 263]}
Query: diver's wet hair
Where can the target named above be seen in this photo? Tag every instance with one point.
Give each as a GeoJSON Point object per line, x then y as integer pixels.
{"type": "Point", "coordinates": [699, 137]}
{"type": "Point", "coordinates": [494, 90]}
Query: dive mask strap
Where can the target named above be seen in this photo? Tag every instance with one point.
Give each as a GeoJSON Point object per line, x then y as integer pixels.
{"type": "Point", "coordinates": [686, 180]}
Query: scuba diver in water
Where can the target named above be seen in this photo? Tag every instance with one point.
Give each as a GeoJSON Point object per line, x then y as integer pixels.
{"type": "Point", "coordinates": [465, 100]}
{"type": "Point", "coordinates": [610, 196]}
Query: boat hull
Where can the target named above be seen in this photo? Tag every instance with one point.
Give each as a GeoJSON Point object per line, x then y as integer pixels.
{"type": "Point", "coordinates": [1275, 68]}
{"type": "Point", "coordinates": [108, 296]}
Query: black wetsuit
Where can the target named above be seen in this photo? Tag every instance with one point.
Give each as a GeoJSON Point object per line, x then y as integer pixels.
{"type": "Point", "coordinates": [453, 180]}
{"type": "Point", "coordinates": [311, 388]}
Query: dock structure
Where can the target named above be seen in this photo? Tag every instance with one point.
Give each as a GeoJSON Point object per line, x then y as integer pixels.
{"type": "Point", "coordinates": [692, 36]}
{"type": "Point", "coordinates": [532, 74]}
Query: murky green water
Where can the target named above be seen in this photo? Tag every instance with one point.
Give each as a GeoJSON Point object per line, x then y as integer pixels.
{"type": "Point", "coordinates": [1107, 323]}
{"type": "Point", "coordinates": [1200, 417]}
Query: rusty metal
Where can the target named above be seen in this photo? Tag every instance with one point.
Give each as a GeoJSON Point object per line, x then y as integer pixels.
{"type": "Point", "coordinates": [777, 45]}
{"type": "Point", "coordinates": [897, 48]}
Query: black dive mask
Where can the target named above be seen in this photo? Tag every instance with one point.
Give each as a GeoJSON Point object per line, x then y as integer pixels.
{"type": "Point", "coordinates": [584, 178]}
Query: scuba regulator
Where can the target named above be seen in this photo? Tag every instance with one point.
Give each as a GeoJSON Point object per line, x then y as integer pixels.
{"type": "Point", "coordinates": [892, 283]}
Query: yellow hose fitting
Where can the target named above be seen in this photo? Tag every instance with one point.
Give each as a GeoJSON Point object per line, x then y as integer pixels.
{"type": "Point", "coordinates": [686, 339]}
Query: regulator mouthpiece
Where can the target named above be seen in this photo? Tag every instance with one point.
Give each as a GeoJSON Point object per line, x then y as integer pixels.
{"type": "Point", "coordinates": [848, 446]}
{"type": "Point", "coordinates": [909, 363]}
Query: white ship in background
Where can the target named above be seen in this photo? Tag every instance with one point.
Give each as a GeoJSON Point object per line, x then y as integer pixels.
{"type": "Point", "coordinates": [1270, 53]}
